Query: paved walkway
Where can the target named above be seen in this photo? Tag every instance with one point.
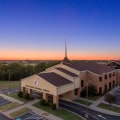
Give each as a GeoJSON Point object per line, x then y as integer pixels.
{"type": "Point", "coordinates": [29, 105]}
{"type": "Point", "coordinates": [101, 100]}
{"type": "Point", "coordinates": [11, 99]}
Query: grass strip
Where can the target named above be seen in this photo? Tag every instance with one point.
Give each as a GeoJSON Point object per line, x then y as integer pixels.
{"type": "Point", "coordinates": [13, 84]}
{"type": "Point", "coordinates": [109, 107]}
{"type": "Point", "coordinates": [64, 114]}
{"type": "Point", "coordinates": [17, 97]}
{"type": "Point", "coordinates": [84, 102]}
{"type": "Point", "coordinates": [9, 106]}
{"type": "Point", "coordinates": [19, 112]}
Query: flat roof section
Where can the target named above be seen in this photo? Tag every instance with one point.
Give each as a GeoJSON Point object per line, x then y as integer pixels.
{"type": "Point", "coordinates": [55, 79]}
{"type": "Point", "coordinates": [67, 72]}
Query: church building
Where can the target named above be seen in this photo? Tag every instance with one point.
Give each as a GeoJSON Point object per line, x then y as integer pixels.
{"type": "Point", "coordinates": [67, 79]}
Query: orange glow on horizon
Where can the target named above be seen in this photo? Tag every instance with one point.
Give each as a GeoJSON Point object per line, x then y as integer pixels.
{"type": "Point", "coordinates": [36, 55]}
{"type": "Point", "coordinates": [58, 58]}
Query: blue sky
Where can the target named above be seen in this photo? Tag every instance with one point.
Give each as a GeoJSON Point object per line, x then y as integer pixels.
{"type": "Point", "coordinates": [37, 29]}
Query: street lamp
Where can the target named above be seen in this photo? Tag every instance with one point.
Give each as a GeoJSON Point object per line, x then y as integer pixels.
{"type": "Point", "coordinates": [9, 83]}
{"type": "Point", "coordinates": [86, 114]}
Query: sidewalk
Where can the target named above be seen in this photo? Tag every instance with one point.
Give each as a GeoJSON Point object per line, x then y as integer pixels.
{"type": "Point", "coordinates": [11, 99]}
{"type": "Point", "coordinates": [29, 105]}
{"type": "Point", "coordinates": [101, 100]}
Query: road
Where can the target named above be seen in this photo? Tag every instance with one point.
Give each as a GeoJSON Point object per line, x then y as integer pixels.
{"type": "Point", "coordinates": [81, 110]}
{"type": "Point", "coordinates": [2, 117]}
{"type": "Point", "coordinates": [5, 91]}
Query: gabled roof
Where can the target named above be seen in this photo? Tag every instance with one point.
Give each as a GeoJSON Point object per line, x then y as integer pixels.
{"type": "Point", "coordinates": [67, 72]}
{"type": "Point", "coordinates": [90, 66]}
{"type": "Point", "coordinates": [55, 79]}
{"type": "Point", "coordinates": [115, 61]}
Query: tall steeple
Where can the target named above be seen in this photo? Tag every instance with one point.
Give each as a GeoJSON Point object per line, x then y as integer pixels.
{"type": "Point", "coordinates": [65, 49]}
{"type": "Point", "coordinates": [66, 60]}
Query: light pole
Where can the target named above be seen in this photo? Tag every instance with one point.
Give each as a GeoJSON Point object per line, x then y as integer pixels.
{"type": "Point", "coordinates": [74, 87]}
{"type": "Point", "coordinates": [9, 83]}
{"type": "Point", "coordinates": [86, 114]}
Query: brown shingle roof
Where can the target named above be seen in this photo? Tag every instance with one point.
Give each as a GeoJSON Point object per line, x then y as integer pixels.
{"type": "Point", "coordinates": [116, 61]}
{"type": "Point", "coordinates": [91, 66]}
{"type": "Point", "coordinates": [55, 79]}
{"type": "Point", "coordinates": [67, 72]}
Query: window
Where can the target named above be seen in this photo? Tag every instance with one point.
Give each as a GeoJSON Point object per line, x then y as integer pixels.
{"type": "Point", "coordinates": [109, 75]}
{"type": "Point", "coordinates": [105, 88]}
{"type": "Point", "coordinates": [113, 73]}
{"type": "Point", "coordinates": [110, 85]}
{"type": "Point", "coordinates": [105, 76]}
{"type": "Point", "coordinates": [113, 83]}
{"type": "Point", "coordinates": [100, 79]}
{"type": "Point", "coordinates": [82, 83]}
{"type": "Point", "coordinates": [100, 90]}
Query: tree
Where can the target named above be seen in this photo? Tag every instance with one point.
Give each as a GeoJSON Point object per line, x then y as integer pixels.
{"type": "Point", "coordinates": [53, 106]}
{"type": "Point", "coordinates": [29, 70]}
{"type": "Point", "coordinates": [20, 93]}
{"type": "Point", "coordinates": [110, 98]}
{"type": "Point", "coordinates": [26, 96]}
{"type": "Point", "coordinates": [40, 67]}
{"type": "Point", "coordinates": [92, 91]}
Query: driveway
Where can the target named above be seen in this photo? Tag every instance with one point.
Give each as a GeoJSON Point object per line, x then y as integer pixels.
{"type": "Point", "coordinates": [81, 110]}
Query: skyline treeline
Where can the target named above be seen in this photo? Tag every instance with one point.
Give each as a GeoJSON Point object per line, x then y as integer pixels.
{"type": "Point", "coordinates": [16, 70]}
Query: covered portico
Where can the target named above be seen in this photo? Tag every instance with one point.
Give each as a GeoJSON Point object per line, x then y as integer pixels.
{"type": "Point", "coordinates": [50, 85]}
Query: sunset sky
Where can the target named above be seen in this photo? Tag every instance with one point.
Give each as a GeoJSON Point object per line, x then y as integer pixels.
{"type": "Point", "coordinates": [37, 29]}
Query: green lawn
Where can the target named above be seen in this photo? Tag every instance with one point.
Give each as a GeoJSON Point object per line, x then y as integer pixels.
{"type": "Point", "coordinates": [19, 112]}
{"type": "Point", "coordinates": [66, 115]}
{"type": "Point", "coordinates": [17, 97]}
{"type": "Point", "coordinates": [84, 102]}
{"type": "Point", "coordinates": [13, 84]}
{"type": "Point", "coordinates": [108, 107]}
{"type": "Point", "coordinates": [8, 106]}
{"type": "Point", "coordinates": [94, 98]}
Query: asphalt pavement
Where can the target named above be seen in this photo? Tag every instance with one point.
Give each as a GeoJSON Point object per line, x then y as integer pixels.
{"type": "Point", "coordinates": [2, 117]}
{"type": "Point", "coordinates": [82, 111]}
{"type": "Point", "coordinates": [5, 91]}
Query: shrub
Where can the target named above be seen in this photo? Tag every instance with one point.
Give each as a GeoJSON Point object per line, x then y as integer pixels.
{"type": "Point", "coordinates": [83, 93]}
{"type": "Point", "coordinates": [53, 106]}
{"type": "Point", "coordinates": [47, 103]}
{"type": "Point", "coordinates": [91, 91]}
{"type": "Point", "coordinates": [20, 94]}
{"type": "Point", "coordinates": [31, 98]}
{"type": "Point", "coordinates": [26, 96]}
{"type": "Point", "coordinates": [42, 102]}
{"type": "Point", "coordinates": [110, 98]}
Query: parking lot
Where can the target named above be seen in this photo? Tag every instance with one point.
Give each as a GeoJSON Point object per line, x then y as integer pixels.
{"type": "Point", "coordinates": [117, 94]}
{"type": "Point", "coordinates": [3, 101]}
{"type": "Point", "coordinates": [30, 116]}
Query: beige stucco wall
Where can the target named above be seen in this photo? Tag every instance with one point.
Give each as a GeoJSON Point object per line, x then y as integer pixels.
{"type": "Point", "coordinates": [42, 84]}
{"type": "Point", "coordinates": [65, 88]}
{"type": "Point", "coordinates": [118, 77]}
{"type": "Point", "coordinates": [108, 80]}
{"type": "Point", "coordinates": [83, 76]}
